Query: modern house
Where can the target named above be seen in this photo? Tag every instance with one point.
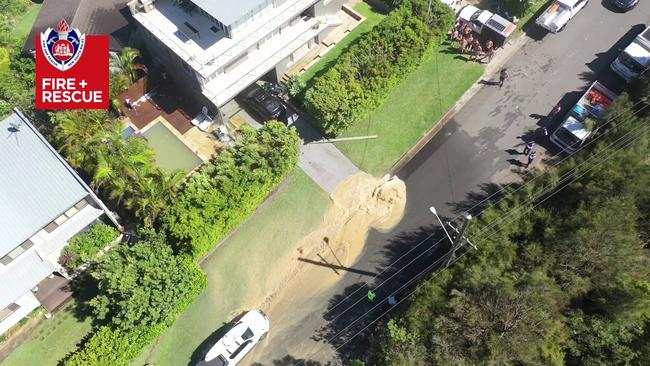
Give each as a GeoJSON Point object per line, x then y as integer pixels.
{"type": "Point", "coordinates": [214, 49]}
{"type": "Point", "coordinates": [43, 203]}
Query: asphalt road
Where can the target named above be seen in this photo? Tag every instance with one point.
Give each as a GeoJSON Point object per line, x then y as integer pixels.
{"type": "Point", "coordinates": [473, 150]}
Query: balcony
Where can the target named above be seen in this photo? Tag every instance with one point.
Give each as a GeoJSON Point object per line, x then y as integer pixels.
{"type": "Point", "coordinates": [226, 86]}
{"type": "Point", "coordinates": [205, 48]}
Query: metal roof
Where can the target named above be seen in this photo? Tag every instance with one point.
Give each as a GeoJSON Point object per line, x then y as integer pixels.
{"type": "Point", "coordinates": [228, 12]}
{"type": "Point", "coordinates": [26, 273]}
{"type": "Point", "coordinates": [36, 185]}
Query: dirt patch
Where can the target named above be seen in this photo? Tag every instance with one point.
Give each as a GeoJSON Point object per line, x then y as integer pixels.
{"type": "Point", "coordinates": [362, 202]}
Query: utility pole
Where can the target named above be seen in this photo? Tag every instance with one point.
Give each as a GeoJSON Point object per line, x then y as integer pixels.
{"type": "Point", "coordinates": [457, 241]}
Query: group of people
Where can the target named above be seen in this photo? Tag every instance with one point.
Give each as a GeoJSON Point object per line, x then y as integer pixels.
{"type": "Point", "coordinates": [470, 44]}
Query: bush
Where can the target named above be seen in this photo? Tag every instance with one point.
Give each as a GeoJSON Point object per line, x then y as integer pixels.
{"type": "Point", "coordinates": [144, 284]}
{"type": "Point", "coordinates": [85, 246]}
{"type": "Point", "coordinates": [142, 289]}
{"type": "Point", "coordinates": [365, 73]}
{"type": "Point", "coordinates": [226, 191]}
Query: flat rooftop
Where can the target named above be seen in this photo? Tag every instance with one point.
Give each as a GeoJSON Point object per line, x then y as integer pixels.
{"type": "Point", "coordinates": [228, 12]}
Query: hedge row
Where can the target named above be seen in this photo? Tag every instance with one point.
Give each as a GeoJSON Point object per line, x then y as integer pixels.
{"type": "Point", "coordinates": [142, 289]}
{"type": "Point", "coordinates": [365, 73]}
{"type": "Point", "coordinates": [225, 192]}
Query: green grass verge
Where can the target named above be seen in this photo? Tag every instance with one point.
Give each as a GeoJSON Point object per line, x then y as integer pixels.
{"type": "Point", "coordinates": [238, 270]}
{"type": "Point", "coordinates": [4, 60]}
{"type": "Point", "coordinates": [51, 340]}
{"type": "Point", "coordinates": [25, 23]}
{"type": "Point", "coordinates": [412, 108]}
{"type": "Point", "coordinates": [373, 17]}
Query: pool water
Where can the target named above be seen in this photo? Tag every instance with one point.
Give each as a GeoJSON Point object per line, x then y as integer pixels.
{"type": "Point", "coordinates": [171, 153]}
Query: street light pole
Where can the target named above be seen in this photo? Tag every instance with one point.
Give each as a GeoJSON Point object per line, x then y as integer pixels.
{"type": "Point", "coordinates": [458, 242]}
{"type": "Point", "coordinates": [435, 213]}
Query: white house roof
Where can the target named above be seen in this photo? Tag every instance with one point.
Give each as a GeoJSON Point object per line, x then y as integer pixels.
{"type": "Point", "coordinates": [27, 271]}
{"type": "Point", "coordinates": [36, 185]}
{"type": "Point", "coordinates": [228, 12]}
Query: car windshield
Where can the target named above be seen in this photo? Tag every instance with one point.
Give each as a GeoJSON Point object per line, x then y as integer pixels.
{"type": "Point", "coordinates": [631, 63]}
{"type": "Point", "coordinates": [248, 334]}
{"type": "Point", "coordinates": [567, 137]}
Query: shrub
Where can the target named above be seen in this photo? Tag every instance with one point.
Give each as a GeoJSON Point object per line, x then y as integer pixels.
{"type": "Point", "coordinates": [295, 85]}
{"type": "Point", "coordinates": [226, 191]}
{"type": "Point", "coordinates": [142, 289]}
{"type": "Point", "coordinates": [85, 246]}
{"type": "Point", "coordinates": [144, 284]}
{"type": "Point", "coordinates": [365, 73]}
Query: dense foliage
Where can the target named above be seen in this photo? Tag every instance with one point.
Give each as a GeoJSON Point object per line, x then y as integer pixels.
{"type": "Point", "coordinates": [226, 191]}
{"type": "Point", "coordinates": [564, 283]}
{"type": "Point", "coordinates": [84, 247]}
{"type": "Point", "coordinates": [365, 73]}
{"type": "Point", "coordinates": [122, 170]}
{"type": "Point", "coordinates": [141, 290]}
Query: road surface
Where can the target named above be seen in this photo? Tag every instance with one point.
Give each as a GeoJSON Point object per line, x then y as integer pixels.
{"type": "Point", "coordinates": [474, 149]}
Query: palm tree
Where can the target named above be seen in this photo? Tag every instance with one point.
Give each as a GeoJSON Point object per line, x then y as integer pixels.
{"type": "Point", "coordinates": [152, 193]}
{"type": "Point", "coordinates": [126, 63]}
{"type": "Point", "coordinates": [78, 135]}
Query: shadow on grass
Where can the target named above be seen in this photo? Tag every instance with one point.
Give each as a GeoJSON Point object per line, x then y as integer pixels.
{"type": "Point", "coordinates": [202, 350]}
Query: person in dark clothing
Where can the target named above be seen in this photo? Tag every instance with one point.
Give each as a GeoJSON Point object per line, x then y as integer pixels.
{"type": "Point", "coordinates": [503, 76]}
{"type": "Point", "coordinates": [531, 158]}
{"type": "Point", "coordinates": [529, 147]}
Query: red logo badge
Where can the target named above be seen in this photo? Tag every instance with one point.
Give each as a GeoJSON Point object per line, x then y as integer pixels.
{"type": "Point", "coordinates": [72, 69]}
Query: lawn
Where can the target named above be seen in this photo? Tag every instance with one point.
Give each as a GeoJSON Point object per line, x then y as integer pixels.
{"type": "Point", "coordinates": [25, 23]}
{"type": "Point", "coordinates": [51, 340]}
{"type": "Point", "coordinates": [412, 108]}
{"type": "Point", "coordinates": [373, 17]}
{"type": "Point", "coordinates": [239, 270]}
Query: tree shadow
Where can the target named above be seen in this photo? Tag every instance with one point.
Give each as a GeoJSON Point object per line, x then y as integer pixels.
{"type": "Point", "coordinates": [202, 350]}
{"type": "Point", "coordinates": [84, 288]}
{"type": "Point", "coordinates": [351, 317]}
{"type": "Point", "coordinates": [534, 31]}
{"type": "Point", "coordinates": [289, 360]}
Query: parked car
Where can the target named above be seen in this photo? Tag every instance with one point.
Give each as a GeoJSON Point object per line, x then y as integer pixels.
{"type": "Point", "coordinates": [558, 14]}
{"type": "Point", "coordinates": [635, 58]}
{"type": "Point", "coordinates": [625, 5]}
{"type": "Point", "coordinates": [264, 104]}
{"type": "Point", "coordinates": [235, 345]}
{"type": "Point", "coordinates": [487, 24]}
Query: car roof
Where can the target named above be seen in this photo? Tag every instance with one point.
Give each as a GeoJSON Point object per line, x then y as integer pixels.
{"type": "Point", "coordinates": [638, 53]}
{"type": "Point", "coordinates": [467, 12]}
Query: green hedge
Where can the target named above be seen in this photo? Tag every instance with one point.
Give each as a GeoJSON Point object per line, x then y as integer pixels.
{"type": "Point", "coordinates": [142, 289]}
{"type": "Point", "coordinates": [85, 246]}
{"type": "Point", "coordinates": [364, 74]}
{"type": "Point", "coordinates": [226, 191]}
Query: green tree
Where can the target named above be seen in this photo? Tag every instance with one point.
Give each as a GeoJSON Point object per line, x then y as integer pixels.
{"type": "Point", "coordinates": [143, 285]}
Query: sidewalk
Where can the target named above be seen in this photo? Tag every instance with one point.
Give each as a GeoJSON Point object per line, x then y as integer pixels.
{"type": "Point", "coordinates": [322, 162]}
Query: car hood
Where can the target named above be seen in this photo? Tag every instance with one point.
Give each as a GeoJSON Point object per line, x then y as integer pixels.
{"type": "Point", "coordinates": [626, 2]}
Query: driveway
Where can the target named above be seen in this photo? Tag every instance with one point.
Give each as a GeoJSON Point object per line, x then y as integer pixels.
{"type": "Point", "coordinates": [476, 148]}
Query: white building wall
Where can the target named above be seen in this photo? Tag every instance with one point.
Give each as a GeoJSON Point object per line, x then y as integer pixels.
{"type": "Point", "coordinates": [27, 303]}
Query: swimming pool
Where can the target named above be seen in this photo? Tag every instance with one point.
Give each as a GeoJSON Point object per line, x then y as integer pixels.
{"type": "Point", "coordinates": [171, 153]}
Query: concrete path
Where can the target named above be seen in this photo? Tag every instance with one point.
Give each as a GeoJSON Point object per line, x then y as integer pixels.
{"type": "Point", "coordinates": [322, 162]}
{"type": "Point", "coordinates": [480, 145]}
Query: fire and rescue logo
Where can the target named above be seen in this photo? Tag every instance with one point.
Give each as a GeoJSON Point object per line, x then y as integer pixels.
{"type": "Point", "coordinates": [63, 47]}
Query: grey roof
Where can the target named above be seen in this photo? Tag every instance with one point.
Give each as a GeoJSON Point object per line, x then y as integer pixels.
{"type": "Point", "coordinates": [28, 272]}
{"type": "Point", "coordinates": [36, 185]}
{"type": "Point", "coordinates": [103, 17]}
{"type": "Point", "coordinates": [226, 11]}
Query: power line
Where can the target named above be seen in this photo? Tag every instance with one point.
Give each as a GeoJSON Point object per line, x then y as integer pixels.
{"type": "Point", "coordinates": [625, 144]}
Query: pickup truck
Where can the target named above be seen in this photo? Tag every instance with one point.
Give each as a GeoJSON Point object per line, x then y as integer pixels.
{"type": "Point", "coordinates": [582, 120]}
{"type": "Point", "coordinates": [558, 14]}
{"type": "Point", "coordinates": [635, 58]}
{"type": "Point", "coordinates": [487, 24]}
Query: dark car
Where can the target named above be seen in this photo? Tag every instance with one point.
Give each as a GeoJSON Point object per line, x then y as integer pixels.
{"type": "Point", "coordinates": [264, 104]}
{"type": "Point", "coordinates": [625, 5]}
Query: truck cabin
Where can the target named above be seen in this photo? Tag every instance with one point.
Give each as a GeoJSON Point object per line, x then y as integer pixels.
{"type": "Point", "coordinates": [486, 25]}
{"type": "Point", "coordinates": [632, 61]}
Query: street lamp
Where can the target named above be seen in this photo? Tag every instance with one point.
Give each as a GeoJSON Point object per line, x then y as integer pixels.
{"type": "Point", "coordinates": [435, 213]}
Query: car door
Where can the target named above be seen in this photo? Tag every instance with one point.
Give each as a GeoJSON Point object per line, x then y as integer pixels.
{"type": "Point", "coordinates": [579, 5]}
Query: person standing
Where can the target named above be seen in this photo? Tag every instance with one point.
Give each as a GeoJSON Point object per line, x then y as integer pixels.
{"type": "Point", "coordinates": [489, 51]}
{"type": "Point", "coordinates": [531, 158]}
{"type": "Point", "coordinates": [529, 147]}
{"type": "Point", "coordinates": [503, 76]}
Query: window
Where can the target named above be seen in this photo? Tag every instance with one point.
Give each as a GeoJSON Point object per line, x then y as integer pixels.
{"type": "Point", "coordinates": [4, 313]}
{"type": "Point", "coordinates": [214, 29]}
{"type": "Point", "coordinates": [248, 334]}
{"type": "Point", "coordinates": [240, 349]}
{"type": "Point", "coordinates": [81, 204]}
